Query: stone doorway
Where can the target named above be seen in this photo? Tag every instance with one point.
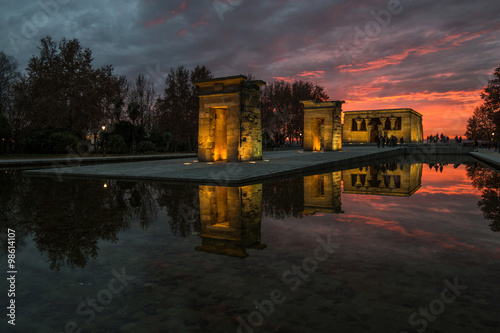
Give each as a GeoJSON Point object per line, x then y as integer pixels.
{"type": "Point", "coordinates": [318, 134]}
{"type": "Point", "coordinates": [230, 219]}
{"type": "Point", "coordinates": [322, 125]}
{"type": "Point", "coordinates": [220, 135]}
{"type": "Point", "coordinates": [229, 123]}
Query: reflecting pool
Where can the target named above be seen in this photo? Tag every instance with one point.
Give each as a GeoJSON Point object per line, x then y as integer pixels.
{"type": "Point", "coordinates": [383, 248]}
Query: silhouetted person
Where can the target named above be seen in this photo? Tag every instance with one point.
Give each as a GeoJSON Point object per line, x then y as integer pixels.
{"type": "Point", "coordinates": [377, 140]}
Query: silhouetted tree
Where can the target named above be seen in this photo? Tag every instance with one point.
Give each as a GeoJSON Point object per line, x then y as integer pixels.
{"type": "Point", "coordinates": [177, 109]}
{"type": "Point", "coordinates": [273, 203]}
{"type": "Point", "coordinates": [486, 119]}
{"type": "Point", "coordinates": [142, 92]}
{"type": "Point", "coordinates": [65, 90]}
{"type": "Point", "coordinates": [488, 182]}
{"type": "Point", "coordinates": [481, 125]}
{"type": "Point", "coordinates": [282, 112]}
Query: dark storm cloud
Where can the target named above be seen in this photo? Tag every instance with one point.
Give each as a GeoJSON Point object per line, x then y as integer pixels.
{"type": "Point", "coordinates": [433, 46]}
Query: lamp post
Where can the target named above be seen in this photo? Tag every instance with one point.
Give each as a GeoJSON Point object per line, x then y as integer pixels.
{"type": "Point", "coordinates": [104, 141]}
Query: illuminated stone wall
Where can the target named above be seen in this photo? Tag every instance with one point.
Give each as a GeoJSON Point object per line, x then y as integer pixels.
{"type": "Point", "coordinates": [229, 120]}
{"type": "Point", "coordinates": [365, 126]}
{"type": "Point", "coordinates": [230, 219]}
{"type": "Point", "coordinates": [322, 125]}
{"type": "Point", "coordinates": [322, 193]}
{"type": "Point", "coordinates": [391, 179]}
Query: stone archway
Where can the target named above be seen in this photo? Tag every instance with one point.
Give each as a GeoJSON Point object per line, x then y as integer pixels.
{"type": "Point", "coordinates": [322, 125]}
{"type": "Point", "coordinates": [229, 126]}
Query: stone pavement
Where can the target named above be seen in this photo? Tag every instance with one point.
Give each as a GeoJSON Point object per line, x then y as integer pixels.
{"type": "Point", "coordinates": [75, 161]}
{"type": "Point", "coordinates": [280, 164]}
{"type": "Point", "coordinates": [490, 157]}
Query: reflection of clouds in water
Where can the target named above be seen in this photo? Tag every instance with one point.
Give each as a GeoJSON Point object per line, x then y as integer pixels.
{"type": "Point", "coordinates": [442, 239]}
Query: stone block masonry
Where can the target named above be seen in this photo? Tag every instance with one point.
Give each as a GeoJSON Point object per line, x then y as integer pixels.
{"type": "Point", "coordinates": [229, 120]}
{"type": "Point", "coordinates": [322, 125]}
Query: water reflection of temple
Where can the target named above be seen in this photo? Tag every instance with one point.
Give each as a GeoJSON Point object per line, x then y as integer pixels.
{"type": "Point", "coordinates": [388, 179]}
{"type": "Point", "coordinates": [322, 193]}
{"type": "Point", "coordinates": [230, 219]}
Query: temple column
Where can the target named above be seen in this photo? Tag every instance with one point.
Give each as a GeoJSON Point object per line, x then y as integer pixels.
{"type": "Point", "coordinates": [393, 123]}
{"type": "Point", "coordinates": [382, 121]}
{"type": "Point", "coordinates": [382, 182]}
{"type": "Point", "coordinates": [392, 185]}
{"type": "Point", "coordinates": [367, 180]}
{"type": "Point", "coordinates": [358, 122]}
{"type": "Point", "coordinates": [358, 181]}
{"type": "Point", "coordinates": [368, 129]}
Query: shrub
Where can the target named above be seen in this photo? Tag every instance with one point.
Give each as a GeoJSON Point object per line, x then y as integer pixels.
{"type": "Point", "coordinates": [5, 134]}
{"type": "Point", "coordinates": [116, 144]}
{"type": "Point", "coordinates": [146, 146]}
{"type": "Point", "coordinates": [49, 140]}
{"type": "Point", "coordinates": [129, 132]}
{"type": "Point", "coordinates": [83, 147]}
{"type": "Point", "coordinates": [62, 142]}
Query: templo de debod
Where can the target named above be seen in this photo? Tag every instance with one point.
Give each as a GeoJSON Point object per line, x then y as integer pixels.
{"type": "Point", "coordinates": [230, 219]}
{"type": "Point", "coordinates": [366, 125]}
{"type": "Point", "coordinates": [322, 125]}
{"type": "Point", "coordinates": [229, 119]}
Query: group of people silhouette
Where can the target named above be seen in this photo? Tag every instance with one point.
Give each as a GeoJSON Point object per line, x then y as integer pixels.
{"type": "Point", "coordinates": [390, 141]}
{"type": "Point", "coordinates": [442, 138]}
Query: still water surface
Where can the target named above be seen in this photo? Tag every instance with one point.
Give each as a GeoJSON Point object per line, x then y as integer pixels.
{"type": "Point", "coordinates": [388, 248]}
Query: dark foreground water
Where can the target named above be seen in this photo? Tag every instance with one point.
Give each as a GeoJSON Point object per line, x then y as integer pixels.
{"type": "Point", "coordinates": [390, 248]}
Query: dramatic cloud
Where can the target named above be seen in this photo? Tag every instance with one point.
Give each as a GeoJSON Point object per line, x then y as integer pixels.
{"type": "Point", "coordinates": [432, 56]}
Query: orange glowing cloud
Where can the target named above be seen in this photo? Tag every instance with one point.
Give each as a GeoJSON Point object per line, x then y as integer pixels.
{"type": "Point", "coordinates": [302, 75]}
{"type": "Point", "coordinates": [446, 43]}
{"type": "Point", "coordinates": [203, 21]}
{"type": "Point", "coordinates": [311, 74]}
{"type": "Point", "coordinates": [160, 20]}
{"type": "Point", "coordinates": [443, 112]}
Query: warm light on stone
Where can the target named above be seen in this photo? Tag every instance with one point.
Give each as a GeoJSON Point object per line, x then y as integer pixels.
{"type": "Point", "coordinates": [402, 180]}
{"type": "Point", "coordinates": [230, 219]}
{"type": "Point", "coordinates": [322, 193]}
{"type": "Point", "coordinates": [229, 120]}
{"type": "Point", "coordinates": [322, 125]}
{"type": "Point", "coordinates": [364, 126]}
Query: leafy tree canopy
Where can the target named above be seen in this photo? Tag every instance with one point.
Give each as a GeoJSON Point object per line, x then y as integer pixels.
{"type": "Point", "coordinates": [486, 119]}
{"type": "Point", "coordinates": [65, 90]}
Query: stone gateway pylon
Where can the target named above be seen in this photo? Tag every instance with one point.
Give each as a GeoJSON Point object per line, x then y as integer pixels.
{"type": "Point", "coordinates": [229, 126]}
{"type": "Point", "coordinates": [322, 125]}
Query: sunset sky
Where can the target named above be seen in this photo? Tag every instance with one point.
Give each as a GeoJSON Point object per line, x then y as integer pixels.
{"type": "Point", "coordinates": [432, 56]}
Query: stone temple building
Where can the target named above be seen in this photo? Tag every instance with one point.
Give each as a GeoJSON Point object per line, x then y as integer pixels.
{"type": "Point", "coordinates": [392, 179]}
{"type": "Point", "coordinates": [229, 119]}
{"type": "Point", "coordinates": [230, 219]}
{"type": "Point", "coordinates": [322, 193]}
{"type": "Point", "coordinates": [364, 126]}
{"type": "Point", "coordinates": [322, 125]}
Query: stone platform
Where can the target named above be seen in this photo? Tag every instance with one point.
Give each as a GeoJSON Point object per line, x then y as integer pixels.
{"type": "Point", "coordinates": [30, 163]}
{"type": "Point", "coordinates": [489, 157]}
{"type": "Point", "coordinates": [281, 164]}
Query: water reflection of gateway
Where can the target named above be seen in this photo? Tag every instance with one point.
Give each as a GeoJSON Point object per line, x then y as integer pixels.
{"type": "Point", "coordinates": [322, 193]}
{"type": "Point", "coordinates": [230, 219]}
{"type": "Point", "coordinates": [390, 179]}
